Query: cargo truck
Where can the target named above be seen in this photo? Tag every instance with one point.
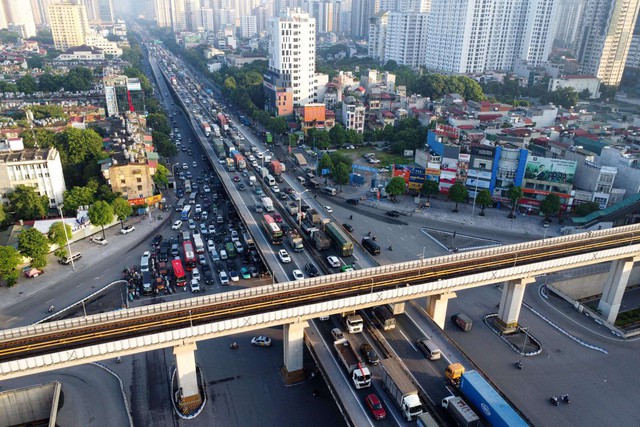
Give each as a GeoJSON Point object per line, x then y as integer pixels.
{"type": "Point", "coordinates": [353, 323]}
{"type": "Point", "coordinates": [218, 146]}
{"type": "Point", "coordinates": [426, 420]}
{"type": "Point", "coordinates": [268, 204]}
{"type": "Point", "coordinates": [264, 172]}
{"type": "Point", "coordinates": [222, 120]}
{"type": "Point", "coordinates": [360, 374]}
{"type": "Point", "coordinates": [401, 388]}
{"type": "Point", "coordinates": [199, 244]}
{"type": "Point", "coordinates": [300, 160]}
{"type": "Point", "coordinates": [483, 397]}
{"type": "Point", "coordinates": [295, 241]}
{"type": "Point", "coordinates": [292, 208]}
{"type": "Point", "coordinates": [241, 163]}
{"type": "Point", "coordinates": [277, 167]}
{"type": "Point", "coordinates": [320, 240]}
{"type": "Point", "coordinates": [216, 130]}
{"type": "Point", "coordinates": [205, 127]}
{"type": "Point", "coordinates": [339, 239]}
{"type": "Point", "coordinates": [231, 164]}
{"type": "Point", "coordinates": [460, 411]}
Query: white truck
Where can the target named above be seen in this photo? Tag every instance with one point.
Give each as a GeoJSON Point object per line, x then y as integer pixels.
{"type": "Point", "coordinates": [460, 411]}
{"type": "Point", "coordinates": [268, 204]}
{"type": "Point", "coordinates": [199, 244]}
{"type": "Point", "coordinates": [401, 389]}
{"type": "Point", "coordinates": [353, 323]}
{"type": "Point", "coordinates": [252, 180]}
{"type": "Point", "coordinates": [360, 374]}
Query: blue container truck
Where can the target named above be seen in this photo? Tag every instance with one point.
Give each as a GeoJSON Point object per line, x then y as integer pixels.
{"type": "Point", "coordinates": [488, 402]}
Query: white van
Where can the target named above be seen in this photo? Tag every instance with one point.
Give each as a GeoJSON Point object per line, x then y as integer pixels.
{"type": "Point", "coordinates": [429, 348]}
{"type": "Point", "coordinates": [144, 261]}
{"type": "Point", "coordinates": [330, 191]}
{"type": "Point", "coordinates": [270, 180]}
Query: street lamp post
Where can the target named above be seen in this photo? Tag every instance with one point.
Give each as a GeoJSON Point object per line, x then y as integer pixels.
{"type": "Point", "coordinates": [64, 227]}
{"type": "Point", "coordinates": [475, 196]}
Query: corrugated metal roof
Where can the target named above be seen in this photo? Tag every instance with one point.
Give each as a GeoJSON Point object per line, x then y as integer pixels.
{"type": "Point", "coordinates": [593, 216]}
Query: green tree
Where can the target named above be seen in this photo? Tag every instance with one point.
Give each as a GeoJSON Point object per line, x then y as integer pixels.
{"type": "Point", "coordinates": [584, 209]}
{"type": "Point", "coordinates": [396, 186]}
{"type": "Point", "coordinates": [78, 196]}
{"type": "Point", "coordinates": [26, 203]}
{"type": "Point", "coordinates": [430, 188]}
{"type": "Point", "coordinates": [341, 174]}
{"type": "Point", "coordinates": [9, 260]}
{"type": "Point", "coordinates": [458, 193]}
{"type": "Point", "coordinates": [3, 215]}
{"type": "Point", "coordinates": [101, 214]}
{"type": "Point", "coordinates": [33, 244]}
{"type": "Point", "coordinates": [484, 200]}
{"type": "Point", "coordinates": [121, 209]}
{"type": "Point", "coordinates": [164, 146]}
{"type": "Point", "coordinates": [564, 97]}
{"type": "Point", "coordinates": [354, 138]}
{"type": "Point", "coordinates": [325, 163]}
{"type": "Point", "coordinates": [35, 61]}
{"type": "Point", "coordinates": [338, 135]}
{"type": "Point", "coordinates": [515, 194]}
{"type": "Point", "coordinates": [45, 138]}
{"type": "Point", "coordinates": [57, 237]}
{"type": "Point", "coordinates": [550, 205]}
{"type": "Point", "coordinates": [27, 84]}
{"type": "Point", "coordinates": [277, 125]}
{"type": "Point", "coordinates": [161, 177]}
{"type": "Point", "coordinates": [159, 122]}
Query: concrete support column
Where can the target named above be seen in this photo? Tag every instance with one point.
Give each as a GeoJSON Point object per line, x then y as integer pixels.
{"type": "Point", "coordinates": [293, 369]}
{"type": "Point", "coordinates": [614, 287]}
{"type": "Point", "coordinates": [510, 304]}
{"type": "Point", "coordinates": [437, 307]}
{"type": "Point", "coordinates": [397, 308]}
{"type": "Point", "coordinates": [189, 396]}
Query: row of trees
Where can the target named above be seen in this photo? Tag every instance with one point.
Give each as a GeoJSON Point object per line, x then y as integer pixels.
{"type": "Point", "coordinates": [337, 136]}
{"type": "Point", "coordinates": [338, 165]}
{"type": "Point", "coordinates": [77, 79]}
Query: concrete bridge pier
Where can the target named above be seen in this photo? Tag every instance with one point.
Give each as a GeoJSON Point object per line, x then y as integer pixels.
{"type": "Point", "coordinates": [437, 307]}
{"type": "Point", "coordinates": [293, 338]}
{"type": "Point", "coordinates": [510, 304]}
{"type": "Point", "coordinates": [188, 398]}
{"type": "Point", "coordinates": [614, 287]}
{"type": "Point", "coordinates": [397, 307]}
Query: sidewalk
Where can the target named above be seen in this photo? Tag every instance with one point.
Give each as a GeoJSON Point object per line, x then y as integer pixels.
{"type": "Point", "coordinates": [442, 210]}
{"type": "Point", "coordinates": [91, 254]}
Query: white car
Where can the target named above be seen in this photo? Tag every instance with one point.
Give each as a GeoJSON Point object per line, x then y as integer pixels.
{"type": "Point", "coordinates": [261, 341]}
{"type": "Point", "coordinates": [195, 165]}
{"type": "Point", "coordinates": [328, 209]}
{"type": "Point", "coordinates": [224, 278]}
{"type": "Point", "coordinates": [202, 259]}
{"type": "Point", "coordinates": [211, 246]}
{"type": "Point", "coordinates": [297, 275]}
{"type": "Point", "coordinates": [192, 224]}
{"type": "Point", "coordinates": [333, 261]}
{"type": "Point", "coordinates": [195, 285]}
{"type": "Point", "coordinates": [176, 225]}
{"type": "Point", "coordinates": [198, 208]}
{"type": "Point", "coordinates": [128, 229]}
{"type": "Point", "coordinates": [284, 256]}
{"type": "Point", "coordinates": [275, 189]}
{"type": "Point", "coordinates": [99, 240]}
{"type": "Point", "coordinates": [185, 166]}
{"type": "Point", "coordinates": [374, 161]}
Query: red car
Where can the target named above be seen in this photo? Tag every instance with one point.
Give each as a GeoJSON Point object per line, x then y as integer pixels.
{"type": "Point", "coordinates": [375, 407]}
{"type": "Point", "coordinates": [236, 178]}
{"type": "Point", "coordinates": [277, 218]}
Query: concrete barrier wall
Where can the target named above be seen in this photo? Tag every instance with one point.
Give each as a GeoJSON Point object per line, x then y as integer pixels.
{"type": "Point", "coordinates": [587, 285]}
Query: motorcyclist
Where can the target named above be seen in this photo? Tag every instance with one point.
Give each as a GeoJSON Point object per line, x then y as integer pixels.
{"type": "Point", "coordinates": [51, 308]}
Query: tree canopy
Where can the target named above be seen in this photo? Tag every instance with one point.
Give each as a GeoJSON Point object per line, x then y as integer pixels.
{"type": "Point", "coordinates": [515, 194]}
{"type": "Point", "coordinates": [458, 193]}
{"type": "Point", "coordinates": [484, 200]}
{"type": "Point", "coordinates": [26, 203]}
{"type": "Point", "coordinates": [550, 205]}
{"type": "Point", "coordinates": [396, 186]}
{"type": "Point", "coordinates": [57, 237]}
{"type": "Point", "coordinates": [35, 245]}
{"type": "Point", "coordinates": [10, 258]}
{"type": "Point", "coordinates": [78, 196]}
{"type": "Point", "coordinates": [430, 188]}
{"type": "Point", "coordinates": [161, 177]}
{"type": "Point", "coordinates": [101, 214]}
{"type": "Point", "coordinates": [121, 209]}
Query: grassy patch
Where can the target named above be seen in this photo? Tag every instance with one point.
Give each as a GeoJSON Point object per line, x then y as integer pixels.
{"type": "Point", "coordinates": [384, 157]}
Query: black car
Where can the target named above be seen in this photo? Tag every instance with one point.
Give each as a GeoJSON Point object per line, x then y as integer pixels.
{"type": "Point", "coordinates": [348, 227]}
{"type": "Point", "coordinates": [208, 277]}
{"type": "Point", "coordinates": [353, 201]}
{"type": "Point", "coordinates": [393, 214]}
{"type": "Point", "coordinates": [156, 240]}
{"type": "Point", "coordinates": [369, 354]}
{"type": "Point", "coordinates": [311, 270]}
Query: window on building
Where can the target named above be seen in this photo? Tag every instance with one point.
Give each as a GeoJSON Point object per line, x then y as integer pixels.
{"type": "Point", "coordinates": [139, 187]}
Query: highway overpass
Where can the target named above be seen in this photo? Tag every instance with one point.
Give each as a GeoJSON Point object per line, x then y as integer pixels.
{"type": "Point", "coordinates": [37, 348]}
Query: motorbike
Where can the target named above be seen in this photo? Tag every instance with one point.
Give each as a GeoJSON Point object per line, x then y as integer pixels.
{"type": "Point", "coordinates": [234, 346]}
{"type": "Point", "coordinates": [51, 309]}
{"type": "Point", "coordinates": [554, 400]}
{"type": "Point", "coordinates": [391, 248]}
{"type": "Point", "coordinates": [518, 364]}
{"type": "Point", "coordinates": [565, 398]}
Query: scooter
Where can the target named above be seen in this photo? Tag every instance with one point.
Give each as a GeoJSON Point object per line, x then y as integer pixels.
{"type": "Point", "coordinates": [234, 346]}
{"type": "Point", "coordinates": [51, 309]}
{"type": "Point", "coordinates": [554, 400]}
{"type": "Point", "coordinates": [518, 364]}
{"type": "Point", "coordinates": [565, 397]}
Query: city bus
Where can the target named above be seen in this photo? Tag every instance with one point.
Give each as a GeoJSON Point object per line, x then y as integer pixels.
{"type": "Point", "coordinates": [189, 255]}
{"type": "Point", "coordinates": [186, 213]}
{"type": "Point", "coordinates": [272, 229]}
{"type": "Point", "coordinates": [178, 272]}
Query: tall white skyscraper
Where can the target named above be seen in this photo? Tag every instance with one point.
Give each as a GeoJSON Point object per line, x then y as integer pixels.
{"type": "Point", "coordinates": [378, 35]}
{"type": "Point", "coordinates": [292, 52]}
{"type": "Point", "coordinates": [568, 25]}
{"type": "Point", "coordinates": [248, 26]}
{"type": "Point", "coordinates": [178, 16]}
{"type": "Point", "coordinates": [606, 32]}
{"type": "Point", "coordinates": [18, 16]}
{"type": "Point", "coordinates": [361, 12]}
{"type": "Point", "coordinates": [406, 38]}
{"type": "Point", "coordinates": [163, 13]}
{"type": "Point", "coordinates": [327, 15]}
{"type": "Point", "coordinates": [471, 36]}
